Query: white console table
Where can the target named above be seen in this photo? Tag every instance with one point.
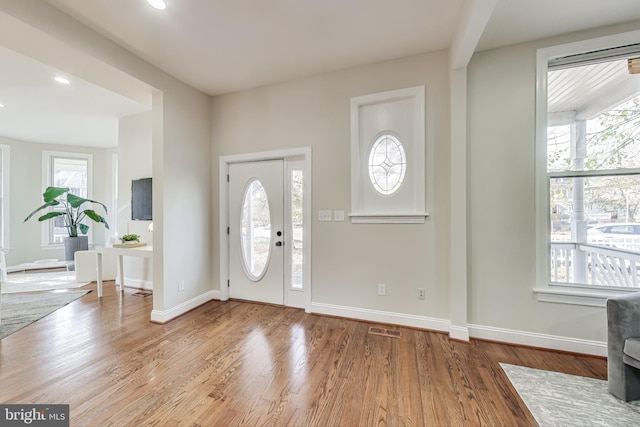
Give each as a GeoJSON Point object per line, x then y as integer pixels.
{"type": "Point", "coordinates": [140, 252]}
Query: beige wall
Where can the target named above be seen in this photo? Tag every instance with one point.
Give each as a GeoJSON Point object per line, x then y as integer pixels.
{"type": "Point", "coordinates": [502, 235]}
{"type": "Point", "coordinates": [349, 260]}
{"type": "Point", "coordinates": [134, 162]}
{"type": "Point", "coordinates": [184, 182]}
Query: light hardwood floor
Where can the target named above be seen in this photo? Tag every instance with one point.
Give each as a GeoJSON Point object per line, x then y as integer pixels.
{"type": "Point", "coordinates": [237, 363]}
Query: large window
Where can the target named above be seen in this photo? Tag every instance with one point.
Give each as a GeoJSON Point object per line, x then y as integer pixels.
{"type": "Point", "coordinates": [70, 170]}
{"type": "Point", "coordinates": [589, 137]}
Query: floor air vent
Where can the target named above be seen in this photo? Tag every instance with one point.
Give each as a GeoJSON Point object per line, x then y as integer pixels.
{"type": "Point", "coordinates": [385, 332]}
{"type": "Point", "coordinates": [143, 294]}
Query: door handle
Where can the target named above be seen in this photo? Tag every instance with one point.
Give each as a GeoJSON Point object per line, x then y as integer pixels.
{"type": "Point", "coordinates": [278, 243]}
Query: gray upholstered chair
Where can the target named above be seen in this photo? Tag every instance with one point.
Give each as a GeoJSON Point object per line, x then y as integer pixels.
{"type": "Point", "coordinates": [623, 346]}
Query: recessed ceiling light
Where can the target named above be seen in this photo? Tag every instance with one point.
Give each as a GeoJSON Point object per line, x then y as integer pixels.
{"type": "Point", "coordinates": [158, 4]}
{"type": "Point", "coordinates": [1, 105]}
{"type": "Point", "coordinates": [63, 80]}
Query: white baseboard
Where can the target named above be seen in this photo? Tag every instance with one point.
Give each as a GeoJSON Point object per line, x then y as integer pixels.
{"type": "Point", "coordinates": [136, 283]}
{"type": "Point", "coordinates": [158, 316]}
{"type": "Point", "coordinates": [400, 319]}
{"type": "Point", "coordinates": [460, 333]}
{"type": "Point", "coordinates": [532, 339]}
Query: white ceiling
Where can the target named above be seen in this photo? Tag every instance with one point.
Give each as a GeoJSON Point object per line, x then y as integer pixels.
{"type": "Point", "coordinates": [517, 21]}
{"type": "Point", "coordinates": [220, 46]}
{"type": "Point", "coordinates": [39, 109]}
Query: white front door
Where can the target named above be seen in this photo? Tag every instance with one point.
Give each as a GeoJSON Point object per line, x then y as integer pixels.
{"type": "Point", "coordinates": [256, 227]}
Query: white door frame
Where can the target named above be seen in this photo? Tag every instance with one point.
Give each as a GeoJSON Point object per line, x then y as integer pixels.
{"type": "Point", "coordinates": [225, 161]}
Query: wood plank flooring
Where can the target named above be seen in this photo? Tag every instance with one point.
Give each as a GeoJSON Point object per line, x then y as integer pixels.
{"type": "Point", "coordinates": [237, 363]}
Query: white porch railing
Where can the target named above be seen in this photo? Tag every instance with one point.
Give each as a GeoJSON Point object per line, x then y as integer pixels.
{"type": "Point", "coordinates": [606, 266]}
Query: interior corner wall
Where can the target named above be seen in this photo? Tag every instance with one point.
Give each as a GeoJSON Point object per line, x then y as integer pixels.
{"type": "Point", "coordinates": [26, 188]}
{"type": "Point", "coordinates": [349, 260]}
{"type": "Point", "coordinates": [134, 162]}
{"type": "Point", "coordinates": [187, 192]}
{"type": "Point", "coordinates": [502, 234]}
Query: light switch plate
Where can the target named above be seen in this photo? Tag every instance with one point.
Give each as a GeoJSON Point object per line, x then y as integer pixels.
{"type": "Point", "coordinates": [324, 215]}
{"type": "Point", "coordinates": [338, 216]}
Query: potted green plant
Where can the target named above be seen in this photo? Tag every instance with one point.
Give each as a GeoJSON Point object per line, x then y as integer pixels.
{"type": "Point", "coordinates": [73, 213]}
{"type": "Point", "coordinates": [129, 239]}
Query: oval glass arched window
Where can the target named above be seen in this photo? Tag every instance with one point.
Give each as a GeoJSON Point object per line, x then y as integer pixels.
{"type": "Point", "coordinates": [255, 230]}
{"type": "Point", "coordinates": [387, 164]}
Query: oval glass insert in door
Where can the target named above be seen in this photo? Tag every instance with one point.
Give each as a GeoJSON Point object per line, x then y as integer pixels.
{"type": "Point", "coordinates": [255, 230]}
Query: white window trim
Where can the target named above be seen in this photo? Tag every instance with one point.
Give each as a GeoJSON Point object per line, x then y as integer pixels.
{"type": "Point", "coordinates": [544, 290]}
{"type": "Point", "coordinates": [46, 182]}
{"type": "Point", "coordinates": [6, 196]}
{"type": "Point", "coordinates": [359, 160]}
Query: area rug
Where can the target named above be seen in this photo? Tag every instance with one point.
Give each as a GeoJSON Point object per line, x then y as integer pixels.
{"type": "Point", "coordinates": [20, 310]}
{"type": "Point", "coordinates": [32, 282]}
{"type": "Point", "coordinates": [557, 399]}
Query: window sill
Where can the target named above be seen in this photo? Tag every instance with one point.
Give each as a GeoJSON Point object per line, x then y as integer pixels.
{"type": "Point", "coordinates": [55, 246]}
{"type": "Point", "coordinates": [58, 246]}
{"type": "Point", "coordinates": [389, 218]}
{"type": "Point", "coordinates": [577, 296]}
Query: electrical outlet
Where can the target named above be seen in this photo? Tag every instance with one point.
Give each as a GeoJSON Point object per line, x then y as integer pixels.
{"type": "Point", "coordinates": [382, 289]}
{"type": "Point", "coordinates": [421, 294]}
{"type": "Point", "coordinates": [180, 285]}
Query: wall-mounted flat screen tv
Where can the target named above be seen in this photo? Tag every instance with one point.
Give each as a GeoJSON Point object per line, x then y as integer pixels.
{"type": "Point", "coordinates": [141, 199]}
